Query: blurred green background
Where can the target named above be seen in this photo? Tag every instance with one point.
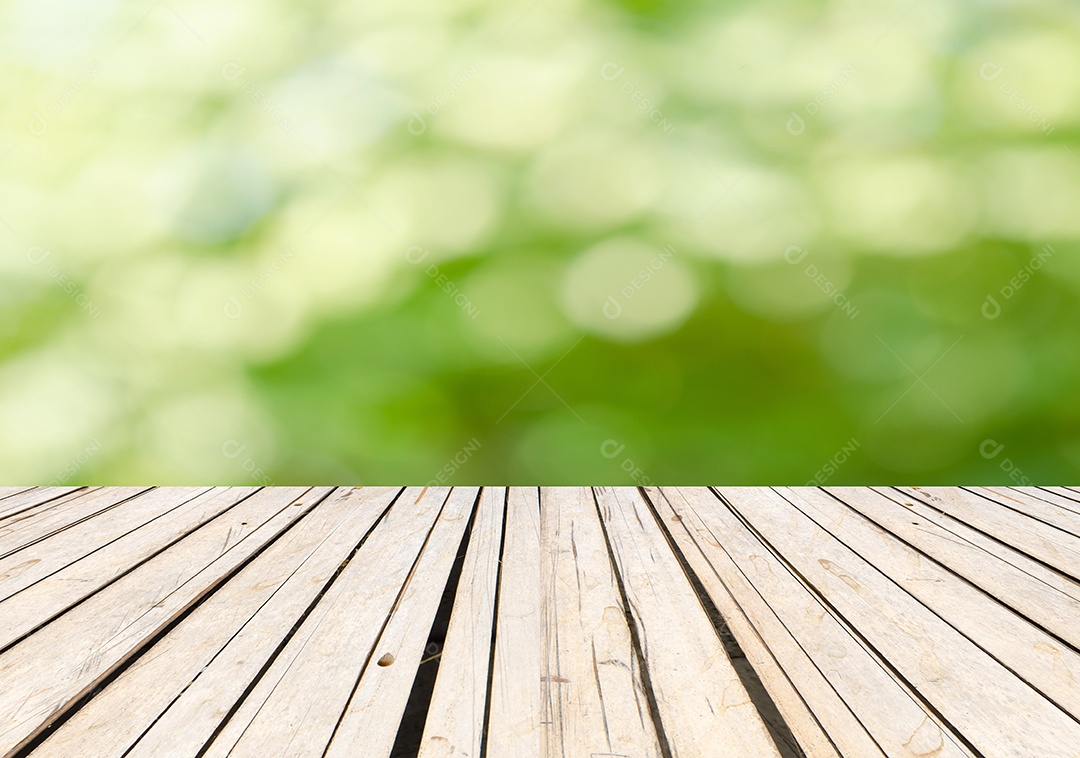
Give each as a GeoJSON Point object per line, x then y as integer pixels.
{"type": "Point", "coordinates": [539, 242]}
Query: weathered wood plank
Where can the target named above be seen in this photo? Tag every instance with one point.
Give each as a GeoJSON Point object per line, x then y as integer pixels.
{"type": "Point", "coordinates": [1022, 561]}
{"type": "Point", "coordinates": [170, 701]}
{"type": "Point", "coordinates": [68, 657]}
{"type": "Point", "coordinates": [1041, 595]}
{"type": "Point", "coordinates": [1041, 660]}
{"type": "Point", "coordinates": [52, 595]}
{"type": "Point", "coordinates": [941, 664]}
{"type": "Point", "coordinates": [1046, 543]}
{"type": "Point", "coordinates": [1044, 506]}
{"type": "Point", "coordinates": [455, 719]}
{"type": "Point", "coordinates": [889, 711]}
{"type": "Point", "coordinates": [795, 684]}
{"type": "Point", "coordinates": [1062, 497]}
{"type": "Point", "coordinates": [515, 708]}
{"type": "Point", "coordinates": [870, 617]}
{"type": "Point", "coordinates": [300, 698]}
{"type": "Point", "coordinates": [14, 505]}
{"type": "Point", "coordinates": [704, 708]}
{"type": "Point", "coordinates": [26, 508]}
{"type": "Point", "coordinates": [20, 569]}
{"type": "Point", "coordinates": [62, 514]}
{"type": "Point", "coordinates": [6, 492]}
{"type": "Point", "coordinates": [370, 722]}
{"type": "Point", "coordinates": [594, 700]}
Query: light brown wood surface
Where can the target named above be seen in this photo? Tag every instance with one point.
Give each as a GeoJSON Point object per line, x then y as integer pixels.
{"type": "Point", "coordinates": [595, 622]}
{"type": "Point", "coordinates": [455, 720]}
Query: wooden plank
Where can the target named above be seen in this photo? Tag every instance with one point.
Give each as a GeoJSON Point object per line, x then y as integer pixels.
{"type": "Point", "coordinates": [370, 722]}
{"type": "Point", "coordinates": [1043, 542]}
{"type": "Point", "coordinates": [1035, 592]}
{"type": "Point", "coordinates": [21, 508]}
{"type": "Point", "coordinates": [889, 711]}
{"type": "Point", "coordinates": [591, 685]}
{"type": "Point", "coordinates": [940, 663]}
{"type": "Point", "coordinates": [829, 648]}
{"type": "Point", "coordinates": [787, 673]}
{"type": "Point", "coordinates": [170, 701]}
{"type": "Point", "coordinates": [1063, 497]}
{"type": "Point", "coordinates": [1021, 560]}
{"type": "Point", "coordinates": [24, 510]}
{"type": "Point", "coordinates": [1043, 596]}
{"type": "Point", "coordinates": [48, 597]}
{"type": "Point", "coordinates": [32, 497]}
{"type": "Point", "coordinates": [63, 514]}
{"type": "Point", "coordinates": [6, 492]}
{"type": "Point", "coordinates": [68, 657]}
{"type": "Point", "coordinates": [1062, 512]}
{"type": "Point", "coordinates": [455, 718]}
{"type": "Point", "coordinates": [299, 699]}
{"type": "Point", "coordinates": [515, 706]}
{"type": "Point", "coordinates": [703, 705]}
{"type": "Point", "coordinates": [1041, 660]}
{"type": "Point", "coordinates": [23, 567]}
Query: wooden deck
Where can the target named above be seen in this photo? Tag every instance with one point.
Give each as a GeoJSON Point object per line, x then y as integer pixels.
{"type": "Point", "coordinates": [519, 622]}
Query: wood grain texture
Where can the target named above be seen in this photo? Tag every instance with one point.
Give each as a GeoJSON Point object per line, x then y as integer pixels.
{"type": "Point", "coordinates": [19, 570]}
{"type": "Point", "coordinates": [40, 523]}
{"type": "Point", "coordinates": [795, 684]}
{"type": "Point", "coordinates": [34, 605]}
{"type": "Point", "coordinates": [370, 721]}
{"type": "Point", "coordinates": [591, 686]}
{"type": "Point", "coordinates": [17, 503]}
{"type": "Point", "coordinates": [1047, 507]}
{"type": "Point", "coordinates": [1037, 657]}
{"type": "Point", "coordinates": [704, 707]}
{"type": "Point", "coordinates": [1010, 576]}
{"type": "Point", "coordinates": [586, 622]}
{"type": "Point", "coordinates": [942, 665]}
{"type": "Point", "coordinates": [1049, 544]}
{"type": "Point", "coordinates": [1062, 497]}
{"type": "Point", "coordinates": [201, 668]}
{"type": "Point", "coordinates": [67, 657]}
{"type": "Point", "coordinates": [516, 704]}
{"type": "Point", "coordinates": [454, 727]}
{"type": "Point", "coordinates": [889, 711]}
{"type": "Point", "coordinates": [335, 642]}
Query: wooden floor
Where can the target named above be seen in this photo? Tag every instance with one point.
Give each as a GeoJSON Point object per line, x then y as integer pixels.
{"type": "Point", "coordinates": [719, 623]}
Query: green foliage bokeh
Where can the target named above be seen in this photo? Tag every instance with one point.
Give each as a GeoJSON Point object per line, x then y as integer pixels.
{"type": "Point", "coordinates": [554, 242]}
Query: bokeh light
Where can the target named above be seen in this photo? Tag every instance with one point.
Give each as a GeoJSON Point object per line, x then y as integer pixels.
{"type": "Point", "coordinates": [560, 242]}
